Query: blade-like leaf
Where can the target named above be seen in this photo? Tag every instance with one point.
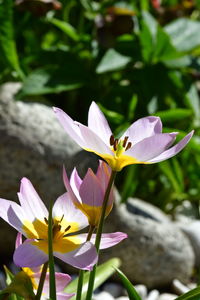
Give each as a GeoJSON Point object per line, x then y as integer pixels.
{"type": "Point", "coordinates": [132, 293]}
{"type": "Point", "coordinates": [7, 41]}
{"type": "Point", "coordinates": [103, 272]}
{"type": "Point", "coordinates": [191, 295]}
{"type": "Point", "coordinates": [67, 28]}
{"type": "Point", "coordinates": [112, 61]}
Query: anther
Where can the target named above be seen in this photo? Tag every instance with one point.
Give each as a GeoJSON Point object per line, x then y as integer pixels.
{"type": "Point", "coordinates": [128, 146]}
{"type": "Point", "coordinates": [67, 228]}
{"type": "Point", "coordinates": [115, 144]}
{"type": "Point", "coordinates": [46, 221]}
{"type": "Point", "coordinates": [112, 140]}
{"type": "Point", "coordinates": [125, 141]}
{"type": "Point", "coordinates": [61, 218]}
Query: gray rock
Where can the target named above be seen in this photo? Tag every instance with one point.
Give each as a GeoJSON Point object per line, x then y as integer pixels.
{"type": "Point", "coordinates": [154, 253]}
{"type": "Point", "coordinates": [167, 296]}
{"type": "Point", "coordinates": [102, 296]}
{"type": "Point", "coordinates": [114, 289]}
{"type": "Point", "coordinates": [179, 288]}
{"type": "Point", "coordinates": [192, 230]}
{"type": "Point", "coordinates": [142, 290]}
{"type": "Point", "coordinates": [153, 295]}
{"type": "Point", "coordinates": [34, 145]}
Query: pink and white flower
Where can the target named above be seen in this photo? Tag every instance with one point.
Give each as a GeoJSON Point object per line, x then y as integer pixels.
{"type": "Point", "coordinates": [142, 143]}
{"type": "Point", "coordinates": [88, 193]}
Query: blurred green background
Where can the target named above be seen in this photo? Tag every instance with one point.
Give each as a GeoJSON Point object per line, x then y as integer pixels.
{"type": "Point", "coordinates": [134, 58]}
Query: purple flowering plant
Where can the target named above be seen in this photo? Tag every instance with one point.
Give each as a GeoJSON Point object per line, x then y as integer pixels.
{"type": "Point", "coordinates": [72, 229]}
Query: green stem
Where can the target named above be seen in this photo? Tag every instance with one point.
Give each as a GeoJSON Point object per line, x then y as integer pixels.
{"type": "Point", "coordinates": [99, 233]}
{"type": "Point", "coordinates": [52, 282]}
{"type": "Point", "coordinates": [41, 282]}
{"type": "Point", "coordinates": [81, 272]}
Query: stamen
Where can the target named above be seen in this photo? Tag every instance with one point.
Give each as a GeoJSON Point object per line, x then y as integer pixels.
{"type": "Point", "coordinates": [115, 144]}
{"type": "Point", "coordinates": [46, 221]}
{"type": "Point", "coordinates": [125, 141]}
{"type": "Point", "coordinates": [61, 218]}
{"type": "Point", "coordinates": [112, 140]}
{"type": "Point", "coordinates": [68, 228]}
{"type": "Point", "coordinates": [128, 146]}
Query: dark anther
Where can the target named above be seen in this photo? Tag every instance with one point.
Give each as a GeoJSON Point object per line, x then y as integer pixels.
{"type": "Point", "coordinates": [128, 146]}
{"type": "Point", "coordinates": [61, 219]}
{"type": "Point", "coordinates": [46, 221]}
{"type": "Point", "coordinates": [115, 144]}
{"type": "Point", "coordinates": [125, 141]}
{"type": "Point", "coordinates": [112, 140]}
{"type": "Point", "coordinates": [67, 228]}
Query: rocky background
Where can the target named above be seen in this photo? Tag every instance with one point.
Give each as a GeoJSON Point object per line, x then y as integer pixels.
{"type": "Point", "coordinates": [158, 253]}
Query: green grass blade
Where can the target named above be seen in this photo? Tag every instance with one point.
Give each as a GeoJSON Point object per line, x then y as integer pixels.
{"type": "Point", "coordinates": [103, 272]}
{"type": "Point", "coordinates": [132, 293]}
{"type": "Point", "coordinates": [191, 295]}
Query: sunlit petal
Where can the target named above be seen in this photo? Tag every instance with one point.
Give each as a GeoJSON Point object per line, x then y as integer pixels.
{"type": "Point", "coordinates": [98, 123]}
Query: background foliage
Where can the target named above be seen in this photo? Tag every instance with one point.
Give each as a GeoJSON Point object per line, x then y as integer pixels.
{"type": "Point", "coordinates": [134, 58]}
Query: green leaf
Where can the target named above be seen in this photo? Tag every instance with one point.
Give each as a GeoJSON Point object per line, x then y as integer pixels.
{"type": "Point", "coordinates": [192, 98]}
{"type": "Point", "coordinates": [7, 41]}
{"type": "Point", "coordinates": [132, 293]}
{"type": "Point", "coordinates": [112, 61]}
{"type": "Point", "coordinates": [9, 275]}
{"type": "Point", "coordinates": [184, 34]}
{"type": "Point", "coordinates": [52, 79]}
{"type": "Point", "coordinates": [169, 172]}
{"type": "Point", "coordinates": [103, 272]}
{"type": "Point", "coordinates": [20, 285]}
{"type": "Point", "coordinates": [175, 114]}
{"type": "Point", "coordinates": [67, 28]}
{"type": "Point", "coordinates": [191, 295]}
{"type": "Point", "coordinates": [111, 115]}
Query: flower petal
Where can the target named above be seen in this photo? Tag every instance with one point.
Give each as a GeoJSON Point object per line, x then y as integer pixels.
{"type": "Point", "coordinates": [70, 126]}
{"type": "Point", "coordinates": [30, 201]}
{"type": "Point", "coordinates": [93, 142]}
{"type": "Point", "coordinates": [98, 123]}
{"type": "Point", "coordinates": [64, 296]}
{"type": "Point", "coordinates": [18, 240]}
{"type": "Point", "coordinates": [91, 191]}
{"type": "Point", "coordinates": [85, 257]}
{"type": "Point", "coordinates": [143, 128]}
{"type": "Point", "coordinates": [107, 239]}
{"type": "Point", "coordinates": [12, 213]}
{"type": "Point", "coordinates": [64, 206]}
{"type": "Point", "coordinates": [151, 147]}
{"type": "Point", "coordinates": [173, 150]}
{"type": "Point", "coordinates": [28, 255]}
{"type": "Point", "coordinates": [71, 186]}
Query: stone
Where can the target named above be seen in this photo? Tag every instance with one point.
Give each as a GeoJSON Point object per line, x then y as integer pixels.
{"type": "Point", "coordinates": [167, 296]}
{"type": "Point", "coordinates": [114, 289]}
{"type": "Point", "coordinates": [153, 295]}
{"type": "Point", "coordinates": [179, 288]}
{"type": "Point", "coordinates": [33, 145]}
{"type": "Point", "coordinates": [192, 230]}
{"type": "Point", "coordinates": [102, 295]}
{"type": "Point", "coordinates": [154, 253]}
{"type": "Point", "coordinates": [123, 298]}
{"type": "Point", "coordinates": [142, 290]}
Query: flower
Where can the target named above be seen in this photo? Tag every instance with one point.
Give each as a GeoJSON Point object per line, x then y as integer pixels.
{"type": "Point", "coordinates": [62, 280]}
{"type": "Point", "coordinates": [88, 194]}
{"type": "Point", "coordinates": [31, 219]}
{"type": "Point", "coordinates": [142, 143]}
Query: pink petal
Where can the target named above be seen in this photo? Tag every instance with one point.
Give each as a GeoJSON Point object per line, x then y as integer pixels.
{"type": "Point", "coordinates": [75, 182]}
{"type": "Point", "coordinates": [12, 213]}
{"type": "Point", "coordinates": [98, 123]}
{"type": "Point", "coordinates": [64, 206]}
{"type": "Point", "coordinates": [70, 126]}
{"type": "Point", "coordinates": [30, 201]}
{"type": "Point", "coordinates": [71, 186]}
{"type": "Point", "coordinates": [63, 296]}
{"type": "Point", "coordinates": [103, 174]}
{"type": "Point", "coordinates": [93, 142]}
{"type": "Point", "coordinates": [107, 239]}
{"type": "Point", "coordinates": [28, 255]}
{"type": "Point", "coordinates": [143, 128]}
{"type": "Point", "coordinates": [151, 147]}
{"type": "Point", "coordinates": [85, 257]}
{"type": "Point", "coordinates": [91, 191]}
{"type": "Point", "coordinates": [18, 240]}
{"type": "Point", "coordinates": [173, 150]}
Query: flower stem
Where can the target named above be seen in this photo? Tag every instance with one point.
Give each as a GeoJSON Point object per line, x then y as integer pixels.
{"type": "Point", "coordinates": [52, 282]}
{"type": "Point", "coordinates": [41, 282]}
{"type": "Point", "coordinates": [99, 233]}
{"type": "Point", "coordinates": [81, 272]}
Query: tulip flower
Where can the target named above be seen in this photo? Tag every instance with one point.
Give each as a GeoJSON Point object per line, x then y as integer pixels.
{"type": "Point", "coordinates": [88, 194]}
{"type": "Point", "coordinates": [62, 280]}
{"type": "Point", "coordinates": [142, 143]}
{"type": "Point", "coordinates": [31, 219]}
